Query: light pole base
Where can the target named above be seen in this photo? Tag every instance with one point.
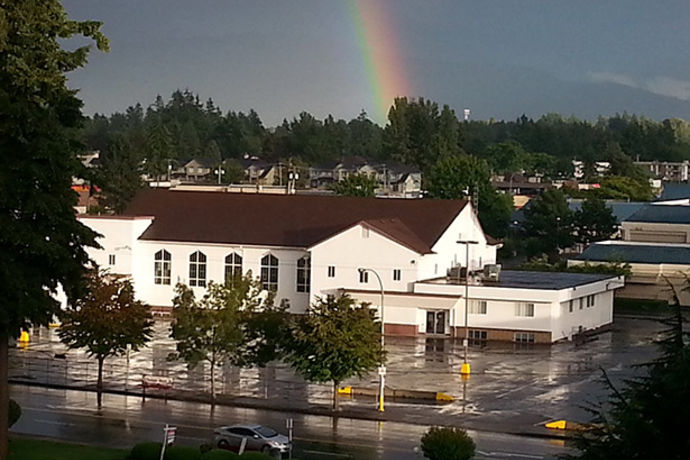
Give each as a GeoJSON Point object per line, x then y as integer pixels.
{"type": "Point", "coordinates": [465, 369]}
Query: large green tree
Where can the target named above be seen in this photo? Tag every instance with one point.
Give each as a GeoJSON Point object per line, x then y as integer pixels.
{"type": "Point", "coordinates": [119, 175]}
{"type": "Point", "coordinates": [356, 185]}
{"type": "Point", "coordinates": [594, 221]}
{"type": "Point", "coordinates": [235, 323]}
{"type": "Point", "coordinates": [466, 176]}
{"type": "Point", "coordinates": [334, 341]}
{"type": "Point", "coordinates": [42, 242]}
{"type": "Point", "coordinates": [548, 225]}
{"type": "Point", "coordinates": [106, 321]}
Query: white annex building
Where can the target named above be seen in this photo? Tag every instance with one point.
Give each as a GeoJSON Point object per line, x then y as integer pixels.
{"type": "Point", "coordinates": [305, 247]}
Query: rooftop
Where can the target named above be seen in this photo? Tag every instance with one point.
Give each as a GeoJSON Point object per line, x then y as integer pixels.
{"type": "Point", "coordinates": [517, 279]}
{"type": "Point", "coordinates": [640, 253]}
{"type": "Point", "coordinates": [673, 191]}
{"type": "Point", "coordinates": [661, 214]}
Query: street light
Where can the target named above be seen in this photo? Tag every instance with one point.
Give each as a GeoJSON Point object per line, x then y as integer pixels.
{"type": "Point", "coordinates": [382, 368]}
{"type": "Point", "coordinates": [465, 369]}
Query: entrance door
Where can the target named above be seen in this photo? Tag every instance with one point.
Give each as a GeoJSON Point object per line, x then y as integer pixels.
{"type": "Point", "coordinates": [436, 322]}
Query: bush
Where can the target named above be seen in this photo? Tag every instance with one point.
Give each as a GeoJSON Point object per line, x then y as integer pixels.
{"type": "Point", "coordinates": [218, 454]}
{"type": "Point", "coordinates": [447, 443]}
{"type": "Point", "coordinates": [256, 456]}
{"type": "Point", "coordinates": [146, 451]}
{"type": "Point", "coordinates": [182, 453]}
{"type": "Point", "coordinates": [15, 412]}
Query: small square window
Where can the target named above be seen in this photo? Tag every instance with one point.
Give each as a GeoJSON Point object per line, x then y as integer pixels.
{"type": "Point", "coordinates": [363, 276]}
{"type": "Point", "coordinates": [477, 307]}
{"type": "Point", "coordinates": [524, 309]}
{"type": "Point", "coordinates": [331, 271]}
{"type": "Point", "coordinates": [524, 337]}
{"type": "Point", "coordinates": [396, 274]}
{"type": "Point", "coordinates": [111, 259]}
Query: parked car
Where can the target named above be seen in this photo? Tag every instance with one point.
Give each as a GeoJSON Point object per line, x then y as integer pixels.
{"type": "Point", "coordinates": [259, 438]}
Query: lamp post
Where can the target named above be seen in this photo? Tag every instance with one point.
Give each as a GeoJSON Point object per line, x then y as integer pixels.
{"type": "Point", "coordinates": [382, 368]}
{"type": "Point", "coordinates": [465, 369]}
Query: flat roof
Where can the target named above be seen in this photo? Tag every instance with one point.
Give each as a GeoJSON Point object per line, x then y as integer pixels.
{"type": "Point", "coordinates": [518, 279]}
{"type": "Point", "coordinates": [641, 253]}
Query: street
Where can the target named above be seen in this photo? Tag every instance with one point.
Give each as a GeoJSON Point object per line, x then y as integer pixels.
{"type": "Point", "coordinates": [125, 420]}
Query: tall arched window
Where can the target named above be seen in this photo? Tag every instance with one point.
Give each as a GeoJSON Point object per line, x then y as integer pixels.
{"type": "Point", "coordinates": [269, 272]}
{"type": "Point", "coordinates": [233, 266]}
{"type": "Point", "coordinates": [303, 269]}
{"type": "Point", "coordinates": [197, 269]}
{"type": "Point", "coordinates": [161, 267]}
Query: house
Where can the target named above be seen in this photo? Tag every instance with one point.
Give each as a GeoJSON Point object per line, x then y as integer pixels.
{"type": "Point", "coordinates": [197, 169]}
{"type": "Point", "coordinates": [306, 247]}
{"type": "Point", "coordinates": [600, 168]}
{"type": "Point", "coordinates": [667, 170]}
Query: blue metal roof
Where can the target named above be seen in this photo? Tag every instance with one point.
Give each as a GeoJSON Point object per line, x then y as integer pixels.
{"type": "Point", "coordinates": [662, 214]}
{"type": "Point", "coordinates": [675, 191]}
{"type": "Point", "coordinates": [637, 253]}
{"type": "Point", "coordinates": [546, 280]}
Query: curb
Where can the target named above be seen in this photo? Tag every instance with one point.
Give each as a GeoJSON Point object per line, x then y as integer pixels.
{"type": "Point", "coordinates": [247, 403]}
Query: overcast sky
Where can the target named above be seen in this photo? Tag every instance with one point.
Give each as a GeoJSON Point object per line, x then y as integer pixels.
{"type": "Point", "coordinates": [499, 58]}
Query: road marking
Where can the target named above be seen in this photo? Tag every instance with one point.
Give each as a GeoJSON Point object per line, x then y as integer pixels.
{"type": "Point", "coordinates": [508, 454]}
{"type": "Point", "coordinates": [332, 454]}
{"type": "Point", "coordinates": [53, 422]}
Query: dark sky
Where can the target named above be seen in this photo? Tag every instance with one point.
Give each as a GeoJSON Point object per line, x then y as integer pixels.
{"type": "Point", "coordinates": [499, 58]}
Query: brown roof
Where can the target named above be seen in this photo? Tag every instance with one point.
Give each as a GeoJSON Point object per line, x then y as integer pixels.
{"type": "Point", "coordinates": [287, 220]}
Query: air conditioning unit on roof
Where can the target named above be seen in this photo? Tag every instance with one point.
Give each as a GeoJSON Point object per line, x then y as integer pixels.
{"type": "Point", "coordinates": [492, 272]}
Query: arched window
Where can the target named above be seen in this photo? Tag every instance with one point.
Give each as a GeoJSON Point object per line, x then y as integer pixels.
{"type": "Point", "coordinates": [303, 276]}
{"type": "Point", "coordinates": [233, 266]}
{"type": "Point", "coordinates": [197, 269]}
{"type": "Point", "coordinates": [161, 267]}
{"type": "Point", "coordinates": [269, 272]}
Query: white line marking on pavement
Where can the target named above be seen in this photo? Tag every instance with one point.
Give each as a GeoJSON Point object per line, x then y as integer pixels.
{"type": "Point", "coordinates": [332, 454]}
{"type": "Point", "coordinates": [53, 422]}
{"type": "Point", "coordinates": [508, 454]}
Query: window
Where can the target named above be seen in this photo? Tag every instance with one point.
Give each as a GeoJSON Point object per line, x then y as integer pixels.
{"type": "Point", "coordinates": [363, 276]}
{"type": "Point", "coordinates": [477, 335]}
{"type": "Point", "coordinates": [365, 232]}
{"type": "Point", "coordinates": [435, 269]}
{"type": "Point", "coordinates": [197, 269]}
{"type": "Point", "coordinates": [524, 309]}
{"type": "Point", "coordinates": [303, 275]}
{"type": "Point", "coordinates": [233, 266]}
{"type": "Point", "coordinates": [524, 337]}
{"type": "Point", "coordinates": [331, 271]}
{"type": "Point", "coordinates": [582, 301]}
{"type": "Point", "coordinates": [396, 274]}
{"type": "Point", "coordinates": [269, 272]}
{"type": "Point", "coordinates": [111, 259]}
{"type": "Point", "coordinates": [477, 307]}
{"type": "Point", "coordinates": [570, 305]}
{"type": "Point", "coordinates": [590, 301]}
{"type": "Point", "coordinates": [161, 267]}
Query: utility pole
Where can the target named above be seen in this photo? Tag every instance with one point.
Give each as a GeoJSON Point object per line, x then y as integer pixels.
{"type": "Point", "coordinates": [465, 369]}
{"type": "Point", "coordinates": [382, 368]}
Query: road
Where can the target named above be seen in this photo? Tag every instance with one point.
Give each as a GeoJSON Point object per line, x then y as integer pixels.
{"type": "Point", "coordinates": [125, 420]}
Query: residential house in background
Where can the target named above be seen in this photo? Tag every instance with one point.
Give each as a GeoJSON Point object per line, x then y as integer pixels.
{"type": "Point", "coordinates": [305, 247]}
{"type": "Point", "coordinates": [197, 169]}
{"type": "Point", "coordinates": [601, 168]}
{"type": "Point", "coordinates": [670, 171]}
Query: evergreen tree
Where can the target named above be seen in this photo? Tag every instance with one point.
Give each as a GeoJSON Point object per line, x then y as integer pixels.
{"type": "Point", "coordinates": [548, 225]}
{"type": "Point", "coordinates": [159, 149]}
{"type": "Point", "coordinates": [119, 175]}
{"type": "Point", "coordinates": [42, 242]}
{"type": "Point", "coordinates": [594, 221]}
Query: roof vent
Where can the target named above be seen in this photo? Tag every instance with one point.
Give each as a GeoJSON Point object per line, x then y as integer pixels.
{"type": "Point", "coordinates": [492, 272]}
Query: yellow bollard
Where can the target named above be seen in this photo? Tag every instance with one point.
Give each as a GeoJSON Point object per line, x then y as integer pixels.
{"type": "Point", "coordinates": [24, 337]}
{"type": "Point", "coordinates": [465, 369]}
{"type": "Point", "coordinates": [556, 425]}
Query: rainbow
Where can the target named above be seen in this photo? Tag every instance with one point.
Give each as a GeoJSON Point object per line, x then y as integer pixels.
{"type": "Point", "coordinates": [381, 54]}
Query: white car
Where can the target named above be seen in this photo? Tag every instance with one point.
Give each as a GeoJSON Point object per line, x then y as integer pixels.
{"type": "Point", "coordinates": [258, 437]}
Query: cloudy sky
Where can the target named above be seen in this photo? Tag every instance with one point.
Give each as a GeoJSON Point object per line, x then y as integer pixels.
{"type": "Point", "coordinates": [499, 58]}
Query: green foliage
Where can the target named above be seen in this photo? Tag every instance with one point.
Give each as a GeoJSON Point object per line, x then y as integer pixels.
{"type": "Point", "coordinates": [146, 451]}
{"type": "Point", "coordinates": [119, 175]}
{"type": "Point", "coordinates": [624, 188]}
{"type": "Point", "coordinates": [182, 453]}
{"type": "Point", "coordinates": [548, 225]}
{"type": "Point", "coordinates": [466, 176]}
{"type": "Point", "coordinates": [159, 148]}
{"type": "Point", "coordinates": [334, 341]}
{"type": "Point", "coordinates": [447, 443]}
{"type": "Point", "coordinates": [236, 322]}
{"type": "Point", "coordinates": [594, 221]}
{"type": "Point", "coordinates": [218, 454]}
{"type": "Point", "coordinates": [644, 419]}
{"type": "Point", "coordinates": [356, 185]}
{"type": "Point", "coordinates": [542, 265]}
{"type": "Point", "coordinates": [256, 456]}
{"type": "Point", "coordinates": [32, 449]}
{"type": "Point", "coordinates": [15, 411]}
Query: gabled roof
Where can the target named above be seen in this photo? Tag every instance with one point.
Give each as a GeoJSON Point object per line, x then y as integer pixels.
{"type": "Point", "coordinates": [287, 220]}
{"type": "Point", "coordinates": [661, 214]}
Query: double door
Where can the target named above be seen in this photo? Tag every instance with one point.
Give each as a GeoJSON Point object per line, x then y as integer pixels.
{"type": "Point", "coordinates": [436, 322]}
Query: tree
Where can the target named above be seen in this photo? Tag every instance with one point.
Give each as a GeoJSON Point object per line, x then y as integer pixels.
{"type": "Point", "coordinates": [334, 341]}
{"type": "Point", "coordinates": [119, 175]}
{"type": "Point", "coordinates": [159, 148]}
{"type": "Point", "coordinates": [447, 443]}
{"type": "Point", "coordinates": [42, 242]}
{"type": "Point", "coordinates": [624, 188]}
{"type": "Point", "coordinates": [106, 321]}
{"type": "Point", "coordinates": [356, 185]}
{"type": "Point", "coordinates": [235, 322]}
{"type": "Point", "coordinates": [466, 176]}
{"type": "Point", "coordinates": [594, 221]}
{"type": "Point", "coordinates": [643, 420]}
{"type": "Point", "coordinates": [548, 224]}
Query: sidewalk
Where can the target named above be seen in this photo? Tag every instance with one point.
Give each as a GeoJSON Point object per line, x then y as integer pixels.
{"type": "Point", "coordinates": [512, 389]}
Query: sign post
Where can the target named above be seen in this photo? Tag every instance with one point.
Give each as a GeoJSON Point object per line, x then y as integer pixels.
{"type": "Point", "coordinates": [168, 438]}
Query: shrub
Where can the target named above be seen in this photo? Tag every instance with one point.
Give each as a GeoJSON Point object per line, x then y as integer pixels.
{"type": "Point", "coordinates": [146, 451]}
{"type": "Point", "coordinates": [256, 456]}
{"type": "Point", "coordinates": [447, 443]}
{"type": "Point", "coordinates": [182, 453]}
{"type": "Point", "coordinates": [218, 454]}
{"type": "Point", "coordinates": [15, 412]}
